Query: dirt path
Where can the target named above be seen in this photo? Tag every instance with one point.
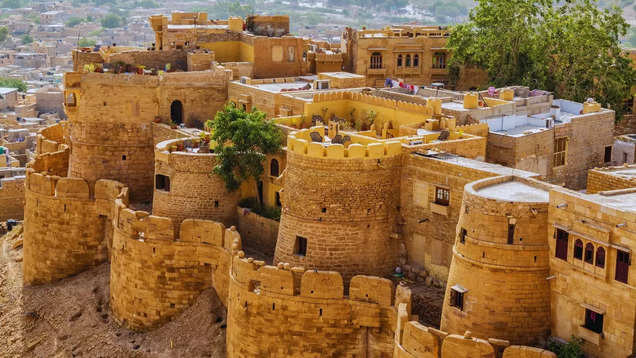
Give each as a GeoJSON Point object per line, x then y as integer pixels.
{"type": "Point", "coordinates": [71, 318]}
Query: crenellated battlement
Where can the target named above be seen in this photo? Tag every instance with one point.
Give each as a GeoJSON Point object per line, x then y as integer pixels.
{"type": "Point", "coordinates": [413, 338]}
{"type": "Point", "coordinates": [358, 147]}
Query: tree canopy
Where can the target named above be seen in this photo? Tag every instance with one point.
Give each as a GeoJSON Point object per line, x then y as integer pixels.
{"type": "Point", "coordinates": [13, 83]}
{"type": "Point", "coordinates": [4, 33]}
{"type": "Point", "coordinates": [111, 21]}
{"type": "Point", "coordinates": [243, 139]}
{"type": "Point", "coordinates": [571, 48]}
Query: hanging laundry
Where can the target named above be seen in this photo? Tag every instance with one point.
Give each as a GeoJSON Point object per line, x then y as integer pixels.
{"type": "Point", "coordinates": [388, 82]}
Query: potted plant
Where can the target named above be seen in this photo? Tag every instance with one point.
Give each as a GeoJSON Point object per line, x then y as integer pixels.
{"type": "Point", "coordinates": [157, 119]}
{"type": "Point", "coordinates": [140, 69]}
{"type": "Point", "coordinates": [180, 146]}
{"type": "Point", "coordinates": [172, 148]}
{"type": "Point", "coordinates": [173, 125]}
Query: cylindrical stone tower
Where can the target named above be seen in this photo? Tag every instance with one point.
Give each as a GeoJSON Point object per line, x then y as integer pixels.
{"type": "Point", "coordinates": [497, 285]}
{"type": "Point", "coordinates": [338, 206]}
{"type": "Point", "coordinates": [187, 188]}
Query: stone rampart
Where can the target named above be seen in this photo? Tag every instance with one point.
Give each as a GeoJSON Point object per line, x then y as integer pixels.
{"type": "Point", "coordinates": [339, 206]}
{"type": "Point", "coordinates": [497, 284]}
{"type": "Point", "coordinates": [413, 340]}
{"type": "Point", "coordinates": [187, 188]}
{"type": "Point", "coordinates": [286, 311]}
{"type": "Point", "coordinates": [154, 276]}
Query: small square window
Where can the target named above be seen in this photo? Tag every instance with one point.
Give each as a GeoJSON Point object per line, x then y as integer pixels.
{"type": "Point", "coordinates": [162, 182]}
{"type": "Point", "coordinates": [593, 321]}
{"type": "Point", "coordinates": [462, 236]}
{"type": "Point", "coordinates": [300, 248]}
{"type": "Point", "coordinates": [608, 154]}
{"type": "Point", "coordinates": [442, 196]}
{"type": "Point", "coordinates": [457, 297]}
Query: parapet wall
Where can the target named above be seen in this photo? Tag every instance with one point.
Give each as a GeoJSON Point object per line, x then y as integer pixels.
{"type": "Point", "coordinates": [343, 208]}
{"type": "Point", "coordinates": [154, 276]}
{"type": "Point", "coordinates": [194, 191]}
{"type": "Point", "coordinates": [286, 311]}
{"type": "Point", "coordinates": [611, 178]}
{"type": "Point", "coordinates": [413, 340]}
{"type": "Point", "coordinates": [300, 143]}
{"type": "Point", "coordinates": [12, 198]}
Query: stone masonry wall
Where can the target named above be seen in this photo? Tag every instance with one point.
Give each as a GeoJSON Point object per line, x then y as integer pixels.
{"type": "Point", "coordinates": [344, 208]}
{"type": "Point", "coordinates": [154, 277]}
{"type": "Point", "coordinates": [12, 199]}
{"type": "Point", "coordinates": [195, 192]}
{"type": "Point", "coordinates": [603, 179]}
{"type": "Point", "coordinates": [286, 312]}
{"type": "Point", "coordinates": [507, 294]}
{"type": "Point", "coordinates": [258, 232]}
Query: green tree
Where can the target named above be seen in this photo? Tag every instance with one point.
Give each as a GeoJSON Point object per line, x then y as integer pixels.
{"type": "Point", "coordinates": [112, 20]}
{"type": "Point", "coordinates": [242, 141]}
{"type": "Point", "coordinates": [27, 39]}
{"type": "Point", "coordinates": [571, 349]}
{"type": "Point", "coordinates": [4, 33]}
{"type": "Point", "coordinates": [13, 83]}
{"type": "Point", "coordinates": [84, 42]}
{"type": "Point", "coordinates": [148, 4]}
{"type": "Point", "coordinates": [12, 4]}
{"type": "Point", "coordinates": [571, 48]}
{"type": "Point", "coordinates": [74, 21]}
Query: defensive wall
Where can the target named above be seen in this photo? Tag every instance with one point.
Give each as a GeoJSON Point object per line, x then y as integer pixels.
{"type": "Point", "coordinates": [286, 311]}
{"type": "Point", "coordinates": [611, 178]}
{"type": "Point", "coordinates": [413, 340]}
{"type": "Point", "coordinates": [257, 231]}
{"type": "Point", "coordinates": [155, 274]}
{"type": "Point", "coordinates": [187, 188]}
{"type": "Point", "coordinates": [111, 119]}
{"type": "Point", "coordinates": [339, 205]}
{"type": "Point", "coordinates": [12, 198]}
{"type": "Point", "coordinates": [497, 284]}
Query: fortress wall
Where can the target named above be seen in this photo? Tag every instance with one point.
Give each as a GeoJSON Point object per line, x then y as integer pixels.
{"type": "Point", "coordinates": [111, 125]}
{"type": "Point", "coordinates": [154, 276]}
{"type": "Point", "coordinates": [64, 233]}
{"type": "Point", "coordinates": [604, 179]}
{"type": "Point", "coordinates": [151, 59]}
{"type": "Point", "coordinates": [195, 191]}
{"type": "Point", "coordinates": [289, 312]}
{"type": "Point", "coordinates": [343, 206]}
{"type": "Point", "coordinates": [12, 198]}
{"type": "Point", "coordinates": [413, 340]}
{"type": "Point", "coordinates": [52, 163]}
{"type": "Point", "coordinates": [507, 294]}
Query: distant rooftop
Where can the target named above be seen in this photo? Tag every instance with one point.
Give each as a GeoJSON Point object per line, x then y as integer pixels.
{"type": "Point", "coordinates": [7, 90]}
{"type": "Point", "coordinates": [476, 164]}
{"type": "Point", "coordinates": [514, 190]}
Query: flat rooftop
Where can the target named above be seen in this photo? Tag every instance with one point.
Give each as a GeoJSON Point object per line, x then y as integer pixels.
{"type": "Point", "coordinates": [515, 191]}
{"type": "Point", "coordinates": [476, 164]}
{"type": "Point", "coordinates": [623, 173]}
{"type": "Point", "coordinates": [188, 27]}
{"type": "Point", "coordinates": [623, 202]}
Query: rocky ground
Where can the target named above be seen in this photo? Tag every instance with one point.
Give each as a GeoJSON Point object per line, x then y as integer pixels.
{"type": "Point", "coordinates": [71, 318]}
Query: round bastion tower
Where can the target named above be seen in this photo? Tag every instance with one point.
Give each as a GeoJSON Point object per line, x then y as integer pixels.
{"type": "Point", "coordinates": [497, 284]}
{"type": "Point", "coordinates": [187, 188]}
{"type": "Point", "coordinates": [338, 205]}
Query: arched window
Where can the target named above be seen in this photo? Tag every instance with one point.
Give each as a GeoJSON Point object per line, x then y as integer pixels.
{"type": "Point", "coordinates": [176, 112]}
{"type": "Point", "coordinates": [578, 250]}
{"type": "Point", "coordinates": [589, 253]}
{"type": "Point", "coordinates": [600, 257]}
{"type": "Point", "coordinates": [408, 60]}
{"type": "Point", "coordinates": [399, 61]}
{"type": "Point", "coordinates": [273, 168]}
{"type": "Point", "coordinates": [71, 101]}
{"type": "Point", "coordinates": [416, 60]}
{"type": "Point", "coordinates": [376, 60]}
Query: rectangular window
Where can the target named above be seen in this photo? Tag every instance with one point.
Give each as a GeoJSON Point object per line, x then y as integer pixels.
{"type": "Point", "coordinates": [593, 321]}
{"type": "Point", "coordinates": [622, 266]}
{"type": "Point", "coordinates": [300, 248]}
{"type": "Point", "coordinates": [560, 150]}
{"type": "Point", "coordinates": [162, 182]}
{"type": "Point", "coordinates": [511, 234]}
{"type": "Point", "coordinates": [278, 203]}
{"type": "Point", "coordinates": [462, 236]}
{"type": "Point", "coordinates": [442, 196]}
{"type": "Point", "coordinates": [439, 60]}
{"type": "Point", "coordinates": [608, 154]}
{"type": "Point", "coordinates": [561, 244]}
{"type": "Point", "coordinates": [457, 297]}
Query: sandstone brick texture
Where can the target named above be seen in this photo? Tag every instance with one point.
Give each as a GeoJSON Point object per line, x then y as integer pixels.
{"type": "Point", "coordinates": [611, 178]}
{"type": "Point", "coordinates": [194, 191]}
{"type": "Point", "coordinates": [12, 198]}
{"type": "Point", "coordinates": [290, 312]}
{"type": "Point", "coordinates": [111, 117]}
{"type": "Point", "coordinates": [154, 277]}
{"type": "Point", "coordinates": [258, 232]}
{"type": "Point", "coordinates": [344, 209]}
{"type": "Point", "coordinates": [429, 228]}
{"type": "Point", "coordinates": [604, 225]}
{"type": "Point", "coordinates": [500, 264]}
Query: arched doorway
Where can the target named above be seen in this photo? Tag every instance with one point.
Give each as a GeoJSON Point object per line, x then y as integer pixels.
{"type": "Point", "coordinates": [176, 112]}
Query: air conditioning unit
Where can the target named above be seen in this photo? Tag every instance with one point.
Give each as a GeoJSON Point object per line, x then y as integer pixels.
{"type": "Point", "coordinates": [549, 122]}
{"type": "Point", "coordinates": [244, 79]}
{"type": "Point", "coordinates": [322, 84]}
